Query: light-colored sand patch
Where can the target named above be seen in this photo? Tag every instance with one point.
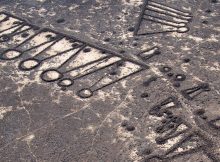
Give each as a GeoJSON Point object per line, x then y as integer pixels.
{"type": "Point", "coordinates": [29, 138]}
{"type": "Point", "coordinates": [4, 110]}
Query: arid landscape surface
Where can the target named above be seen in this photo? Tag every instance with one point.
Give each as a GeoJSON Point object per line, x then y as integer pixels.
{"type": "Point", "coordinates": [109, 81]}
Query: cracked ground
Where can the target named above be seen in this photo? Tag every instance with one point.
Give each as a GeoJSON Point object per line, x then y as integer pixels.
{"type": "Point", "coordinates": [109, 81]}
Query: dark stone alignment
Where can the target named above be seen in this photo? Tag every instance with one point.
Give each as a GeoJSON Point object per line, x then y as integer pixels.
{"type": "Point", "coordinates": [109, 80]}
